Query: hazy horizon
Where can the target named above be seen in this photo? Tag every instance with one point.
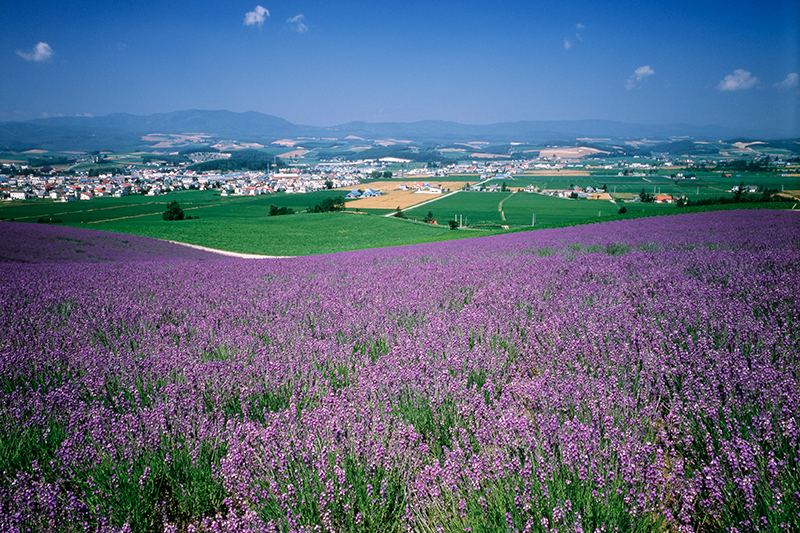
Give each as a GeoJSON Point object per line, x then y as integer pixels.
{"type": "Point", "coordinates": [317, 63]}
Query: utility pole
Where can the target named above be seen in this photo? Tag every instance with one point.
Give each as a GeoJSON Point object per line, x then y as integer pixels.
{"type": "Point", "coordinates": [533, 220]}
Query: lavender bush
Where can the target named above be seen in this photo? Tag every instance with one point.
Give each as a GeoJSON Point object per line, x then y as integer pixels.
{"type": "Point", "coordinates": [39, 243]}
{"type": "Point", "coordinates": [638, 375]}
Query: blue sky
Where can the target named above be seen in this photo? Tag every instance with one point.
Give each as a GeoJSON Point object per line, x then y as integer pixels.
{"type": "Point", "coordinates": [326, 62]}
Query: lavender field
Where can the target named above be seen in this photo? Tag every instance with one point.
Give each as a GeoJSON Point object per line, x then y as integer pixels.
{"type": "Point", "coordinates": [639, 375]}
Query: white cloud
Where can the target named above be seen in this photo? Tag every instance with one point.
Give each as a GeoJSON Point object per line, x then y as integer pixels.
{"type": "Point", "coordinates": [256, 17]}
{"type": "Point", "coordinates": [40, 52]}
{"type": "Point", "coordinates": [792, 80]}
{"type": "Point", "coordinates": [643, 72]}
{"type": "Point", "coordinates": [640, 74]}
{"type": "Point", "coordinates": [738, 81]}
{"type": "Point", "coordinates": [569, 42]}
{"type": "Point", "coordinates": [297, 24]}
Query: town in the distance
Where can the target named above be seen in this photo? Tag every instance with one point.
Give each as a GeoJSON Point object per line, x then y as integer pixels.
{"type": "Point", "coordinates": [129, 166]}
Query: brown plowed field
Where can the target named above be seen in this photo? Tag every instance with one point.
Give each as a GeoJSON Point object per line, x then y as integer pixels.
{"type": "Point", "coordinates": [391, 198]}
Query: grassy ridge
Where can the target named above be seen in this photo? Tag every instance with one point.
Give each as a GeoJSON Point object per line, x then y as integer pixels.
{"type": "Point", "coordinates": [301, 234]}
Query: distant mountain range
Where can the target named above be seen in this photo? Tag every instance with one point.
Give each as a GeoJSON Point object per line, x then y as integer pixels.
{"type": "Point", "coordinates": [124, 132]}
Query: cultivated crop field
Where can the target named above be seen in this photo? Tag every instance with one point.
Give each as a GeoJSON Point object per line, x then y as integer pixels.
{"type": "Point", "coordinates": [635, 375]}
{"type": "Point", "coordinates": [707, 185]}
{"type": "Point", "coordinates": [516, 209]}
{"type": "Point", "coordinates": [204, 204]}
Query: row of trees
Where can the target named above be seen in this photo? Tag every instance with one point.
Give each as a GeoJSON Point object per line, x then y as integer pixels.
{"type": "Point", "coordinates": [377, 174]}
{"type": "Point", "coordinates": [254, 160]}
{"type": "Point", "coordinates": [739, 196]}
{"type": "Point", "coordinates": [275, 211]}
{"type": "Point", "coordinates": [646, 197]}
{"type": "Point", "coordinates": [328, 205]}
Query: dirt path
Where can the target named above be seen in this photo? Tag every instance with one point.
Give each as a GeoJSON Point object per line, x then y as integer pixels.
{"type": "Point", "coordinates": [500, 205]}
{"type": "Point", "coordinates": [231, 254]}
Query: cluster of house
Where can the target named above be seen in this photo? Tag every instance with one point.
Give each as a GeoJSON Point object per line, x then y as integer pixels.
{"type": "Point", "coordinates": [422, 188]}
{"type": "Point", "coordinates": [149, 182]}
{"type": "Point", "coordinates": [590, 193]}
{"type": "Point", "coordinates": [288, 182]}
{"type": "Point", "coordinates": [368, 193]}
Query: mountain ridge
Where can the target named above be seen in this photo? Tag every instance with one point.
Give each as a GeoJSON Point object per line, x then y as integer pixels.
{"type": "Point", "coordinates": [125, 131]}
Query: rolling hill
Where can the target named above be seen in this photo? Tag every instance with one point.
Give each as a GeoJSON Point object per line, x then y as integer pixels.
{"type": "Point", "coordinates": [125, 132]}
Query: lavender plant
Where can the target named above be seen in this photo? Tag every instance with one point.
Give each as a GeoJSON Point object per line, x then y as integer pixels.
{"type": "Point", "coordinates": [638, 375]}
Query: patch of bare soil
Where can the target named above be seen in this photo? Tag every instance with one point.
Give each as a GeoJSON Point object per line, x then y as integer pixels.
{"type": "Point", "coordinates": [569, 153]}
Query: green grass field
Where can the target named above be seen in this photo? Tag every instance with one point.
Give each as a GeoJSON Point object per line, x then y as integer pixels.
{"type": "Point", "coordinates": [195, 203]}
{"type": "Point", "coordinates": [477, 208]}
{"type": "Point", "coordinates": [300, 234]}
{"type": "Point", "coordinates": [242, 224]}
{"type": "Point", "coordinates": [707, 185]}
{"type": "Point", "coordinates": [518, 208]}
{"type": "Point", "coordinates": [238, 224]}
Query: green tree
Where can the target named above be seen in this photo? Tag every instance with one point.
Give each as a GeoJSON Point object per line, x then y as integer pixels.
{"type": "Point", "coordinates": [173, 212]}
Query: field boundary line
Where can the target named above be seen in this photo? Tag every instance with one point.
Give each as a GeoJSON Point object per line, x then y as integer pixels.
{"type": "Point", "coordinates": [123, 218]}
{"type": "Point", "coordinates": [426, 202]}
{"type": "Point", "coordinates": [434, 199]}
{"type": "Point", "coordinates": [84, 211]}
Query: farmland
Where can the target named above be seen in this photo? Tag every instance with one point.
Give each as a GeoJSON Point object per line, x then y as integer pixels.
{"type": "Point", "coordinates": [241, 224]}
{"type": "Point", "coordinates": [638, 375]}
{"type": "Point", "coordinates": [517, 208]}
{"type": "Point", "coordinates": [237, 224]}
